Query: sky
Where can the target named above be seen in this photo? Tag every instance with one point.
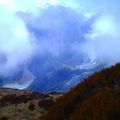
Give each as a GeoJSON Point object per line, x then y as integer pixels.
{"type": "Point", "coordinates": [104, 34]}
{"type": "Point", "coordinates": [86, 5]}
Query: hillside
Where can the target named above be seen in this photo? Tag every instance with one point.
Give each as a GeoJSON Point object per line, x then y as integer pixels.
{"type": "Point", "coordinates": [96, 98]}
{"type": "Point", "coordinates": [24, 105]}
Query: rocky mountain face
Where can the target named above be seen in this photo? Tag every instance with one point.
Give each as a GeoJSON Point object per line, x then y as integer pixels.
{"type": "Point", "coordinates": [62, 79]}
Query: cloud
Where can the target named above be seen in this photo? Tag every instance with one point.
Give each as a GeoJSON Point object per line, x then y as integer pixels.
{"type": "Point", "coordinates": [78, 28]}
{"type": "Point", "coordinates": [100, 23]}
{"type": "Point", "coordinates": [106, 40]}
{"type": "Point", "coordinates": [15, 44]}
{"type": "Point", "coordinates": [59, 31]}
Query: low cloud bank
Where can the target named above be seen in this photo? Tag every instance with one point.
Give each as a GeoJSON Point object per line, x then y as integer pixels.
{"type": "Point", "coordinates": [15, 45]}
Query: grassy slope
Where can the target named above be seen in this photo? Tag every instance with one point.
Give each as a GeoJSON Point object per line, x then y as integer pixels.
{"type": "Point", "coordinates": [24, 105]}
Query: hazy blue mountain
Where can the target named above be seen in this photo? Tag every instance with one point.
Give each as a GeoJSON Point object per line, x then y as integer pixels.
{"type": "Point", "coordinates": [62, 79]}
{"type": "Point", "coordinates": [62, 58]}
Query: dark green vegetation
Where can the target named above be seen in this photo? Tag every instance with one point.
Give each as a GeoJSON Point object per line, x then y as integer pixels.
{"type": "Point", "coordinates": [96, 98]}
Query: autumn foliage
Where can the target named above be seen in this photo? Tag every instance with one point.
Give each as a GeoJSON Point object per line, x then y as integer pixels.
{"type": "Point", "coordinates": [96, 98]}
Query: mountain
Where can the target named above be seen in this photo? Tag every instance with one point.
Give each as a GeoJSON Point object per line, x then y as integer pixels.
{"type": "Point", "coordinates": [62, 59]}
{"type": "Point", "coordinates": [95, 98]}
{"type": "Point", "coordinates": [63, 56]}
{"type": "Point", "coordinates": [62, 79]}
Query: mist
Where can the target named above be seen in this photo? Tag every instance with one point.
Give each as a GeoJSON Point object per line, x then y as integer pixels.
{"type": "Point", "coordinates": [73, 31]}
{"type": "Point", "coordinates": [94, 33]}
{"type": "Point", "coordinates": [15, 45]}
{"type": "Point", "coordinates": [53, 33]}
{"type": "Point", "coordinates": [106, 40]}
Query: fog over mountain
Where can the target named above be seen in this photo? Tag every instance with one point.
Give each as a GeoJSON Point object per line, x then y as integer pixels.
{"type": "Point", "coordinates": [15, 44]}
{"type": "Point", "coordinates": [47, 36]}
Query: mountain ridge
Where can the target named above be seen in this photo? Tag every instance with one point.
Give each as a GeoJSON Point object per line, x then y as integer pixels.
{"type": "Point", "coordinates": [99, 92]}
